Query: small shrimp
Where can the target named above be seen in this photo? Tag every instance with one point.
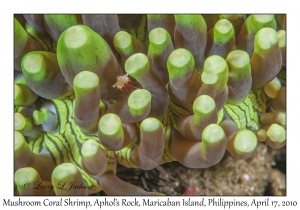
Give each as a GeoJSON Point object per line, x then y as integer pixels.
{"type": "Point", "coordinates": [234, 91]}
{"type": "Point", "coordinates": [167, 176]}
{"type": "Point", "coordinates": [124, 83]}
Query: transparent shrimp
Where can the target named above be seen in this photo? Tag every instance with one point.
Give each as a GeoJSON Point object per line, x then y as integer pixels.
{"type": "Point", "coordinates": [234, 91]}
{"type": "Point", "coordinates": [167, 176]}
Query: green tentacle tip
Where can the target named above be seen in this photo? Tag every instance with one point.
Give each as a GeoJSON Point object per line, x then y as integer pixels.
{"type": "Point", "coordinates": [238, 62]}
{"type": "Point", "coordinates": [281, 38]}
{"type": "Point", "coordinates": [85, 82]}
{"type": "Point", "coordinates": [136, 65]}
{"type": "Point", "coordinates": [26, 175]}
{"type": "Point", "coordinates": [212, 134]}
{"type": "Point", "coordinates": [223, 31]}
{"type": "Point", "coordinates": [245, 141]}
{"type": "Point", "coordinates": [191, 21]}
{"type": "Point", "coordinates": [39, 117]}
{"type": "Point", "coordinates": [215, 71]}
{"type": "Point", "coordinates": [276, 133]}
{"type": "Point", "coordinates": [238, 59]}
{"type": "Point", "coordinates": [262, 19]}
{"type": "Point", "coordinates": [123, 42]}
{"type": "Point", "coordinates": [45, 118]}
{"type": "Point", "coordinates": [17, 92]}
{"type": "Point", "coordinates": [282, 119]}
{"type": "Point", "coordinates": [75, 36]}
{"type": "Point", "coordinates": [110, 125]}
{"type": "Point", "coordinates": [159, 36]}
{"type": "Point", "coordinates": [150, 124]}
{"type": "Point", "coordinates": [231, 17]}
{"type": "Point", "coordinates": [139, 102]}
{"type": "Point", "coordinates": [20, 122]}
{"type": "Point", "coordinates": [180, 62]}
{"type": "Point", "coordinates": [264, 39]}
{"type": "Point", "coordinates": [90, 149]}
{"type": "Point", "coordinates": [33, 63]}
{"type": "Point", "coordinates": [64, 172]}
{"type": "Point", "coordinates": [94, 160]}
{"type": "Point", "coordinates": [19, 141]}
{"type": "Point", "coordinates": [23, 95]}
{"type": "Point", "coordinates": [204, 105]}
{"type": "Point", "coordinates": [272, 89]}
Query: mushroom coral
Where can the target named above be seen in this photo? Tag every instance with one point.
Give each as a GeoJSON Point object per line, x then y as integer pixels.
{"type": "Point", "coordinates": [94, 91]}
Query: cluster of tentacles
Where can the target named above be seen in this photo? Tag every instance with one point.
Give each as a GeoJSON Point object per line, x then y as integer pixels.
{"type": "Point", "coordinates": [94, 91]}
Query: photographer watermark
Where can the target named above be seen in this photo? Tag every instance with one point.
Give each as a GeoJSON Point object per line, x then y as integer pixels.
{"type": "Point", "coordinates": [62, 185]}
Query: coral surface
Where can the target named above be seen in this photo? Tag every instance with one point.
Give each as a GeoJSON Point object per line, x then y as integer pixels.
{"type": "Point", "coordinates": [95, 94]}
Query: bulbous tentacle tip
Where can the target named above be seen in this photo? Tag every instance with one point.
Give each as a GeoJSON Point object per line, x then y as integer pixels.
{"type": "Point", "coordinates": [23, 95]}
{"type": "Point", "coordinates": [64, 177]}
{"type": "Point", "coordinates": [205, 113]}
{"type": "Point", "coordinates": [94, 160]}
{"type": "Point", "coordinates": [22, 152]}
{"type": "Point", "coordinates": [261, 135]}
{"type": "Point", "coordinates": [213, 134]}
{"type": "Point", "coordinates": [276, 136]}
{"type": "Point", "coordinates": [243, 144]}
{"type": "Point", "coordinates": [88, 95]}
{"type": "Point", "coordinates": [139, 103]}
{"type": "Point", "coordinates": [26, 176]}
{"type": "Point", "coordinates": [25, 125]}
{"type": "Point", "coordinates": [110, 132]}
{"type": "Point", "coordinates": [273, 117]}
{"type": "Point", "coordinates": [272, 89]}
{"type": "Point", "coordinates": [180, 63]}
{"type": "Point", "coordinates": [29, 183]}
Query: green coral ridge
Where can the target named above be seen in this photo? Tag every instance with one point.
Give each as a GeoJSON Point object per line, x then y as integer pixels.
{"type": "Point", "coordinates": [95, 91]}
